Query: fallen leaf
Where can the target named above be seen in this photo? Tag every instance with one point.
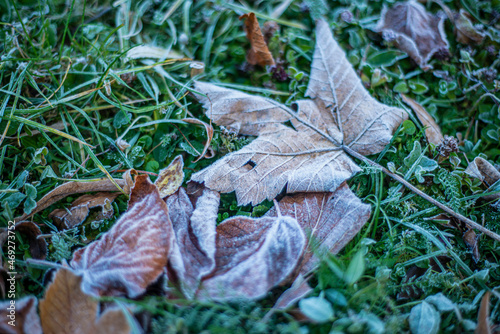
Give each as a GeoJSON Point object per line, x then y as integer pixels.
{"type": "Point", "coordinates": [259, 53]}
{"type": "Point", "coordinates": [66, 309]}
{"type": "Point", "coordinates": [252, 256]}
{"type": "Point", "coordinates": [193, 254]}
{"type": "Point", "coordinates": [432, 130]}
{"type": "Point", "coordinates": [414, 30]}
{"type": "Point", "coordinates": [134, 252]}
{"type": "Point", "coordinates": [80, 208]}
{"type": "Point", "coordinates": [465, 30]}
{"type": "Point", "coordinates": [471, 241]}
{"type": "Point", "coordinates": [330, 220]}
{"type": "Point", "coordinates": [483, 316]}
{"type": "Point", "coordinates": [78, 187]}
{"type": "Point", "coordinates": [210, 134]}
{"type": "Point", "coordinates": [299, 289]}
{"type": "Point", "coordinates": [170, 178]}
{"type": "Point", "coordinates": [309, 157]}
{"type": "Point", "coordinates": [20, 316]}
{"type": "Point", "coordinates": [480, 168]}
{"type": "Point", "coordinates": [31, 232]}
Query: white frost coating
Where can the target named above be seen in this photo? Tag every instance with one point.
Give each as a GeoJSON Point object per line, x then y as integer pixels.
{"type": "Point", "coordinates": [193, 252]}
{"type": "Point", "coordinates": [332, 219]}
{"type": "Point", "coordinates": [254, 260]}
{"type": "Point", "coordinates": [308, 157]}
{"type": "Point", "coordinates": [132, 254]}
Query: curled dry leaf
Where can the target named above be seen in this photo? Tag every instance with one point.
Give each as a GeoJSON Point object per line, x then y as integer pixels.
{"type": "Point", "coordinates": [171, 177]}
{"type": "Point", "coordinates": [432, 130]}
{"type": "Point", "coordinates": [30, 231]}
{"type": "Point", "coordinates": [210, 134]}
{"type": "Point", "coordinates": [252, 256]}
{"type": "Point", "coordinates": [414, 30]}
{"type": "Point", "coordinates": [483, 316]}
{"type": "Point", "coordinates": [310, 156]}
{"type": "Point", "coordinates": [77, 187]}
{"type": "Point", "coordinates": [193, 253]}
{"type": "Point", "coordinates": [66, 309]}
{"type": "Point", "coordinates": [20, 316]}
{"type": "Point", "coordinates": [480, 168]}
{"type": "Point", "coordinates": [330, 220]}
{"type": "Point", "coordinates": [259, 53]}
{"type": "Point", "coordinates": [134, 252]}
{"type": "Point", "coordinates": [465, 30]}
{"type": "Point", "coordinates": [80, 208]}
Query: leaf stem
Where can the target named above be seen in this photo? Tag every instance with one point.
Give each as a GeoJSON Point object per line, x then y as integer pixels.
{"type": "Point", "coordinates": [420, 193]}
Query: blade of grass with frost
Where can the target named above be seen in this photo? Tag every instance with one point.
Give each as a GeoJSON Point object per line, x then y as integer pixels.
{"type": "Point", "coordinates": [92, 155]}
{"type": "Point", "coordinates": [264, 16]}
{"type": "Point", "coordinates": [19, 82]}
{"type": "Point", "coordinates": [87, 118]}
{"type": "Point", "coordinates": [45, 128]}
{"type": "Point", "coordinates": [58, 149]}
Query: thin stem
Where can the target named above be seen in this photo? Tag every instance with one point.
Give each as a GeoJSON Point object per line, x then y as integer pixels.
{"type": "Point", "coordinates": [408, 185]}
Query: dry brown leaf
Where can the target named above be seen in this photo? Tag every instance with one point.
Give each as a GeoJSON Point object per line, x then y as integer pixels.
{"type": "Point", "coordinates": [483, 316]}
{"type": "Point", "coordinates": [259, 53]}
{"type": "Point", "coordinates": [465, 30]}
{"type": "Point", "coordinates": [480, 168]}
{"type": "Point", "coordinates": [80, 208]}
{"type": "Point", "coordinates": [67, 310]}
{"type": "Point", "coordinates": [471, 241]}
{"type": "Point", "coordinates": [134, 252]}
{"type": "Point", "coordinates": [77, 187]}
{"type": "Point", "coordinates": [252, 256]}
{"type": "Point", "coordinates": [414, 30]}
{"type": "Point", "coordinates": [20, 316]}
{"type": "Point", "coordinates": [330, 220]}
{"type": "Point", "coordinates": [432, 130]}
{"type": "Point", "coordinates": [310, 157]}
{"type": "Point", "coordinates": [31, 233]}
{"type": "Point", "coordinates": [193, 254]}
{"type": "Point", "coordinates": [171, 177]}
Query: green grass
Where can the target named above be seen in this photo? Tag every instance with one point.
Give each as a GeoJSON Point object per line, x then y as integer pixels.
{"type": "Point", "coordinates": [63, 72]}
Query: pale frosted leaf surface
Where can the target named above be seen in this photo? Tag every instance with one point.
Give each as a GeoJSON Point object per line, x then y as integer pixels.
{"type": "Point", "coordinates": [432, 131]}
{"type": "Point", "coordinates": [134, 252]}
{"type": "Point", "coordinates": [366, 124]}
{"type": "Point", "coordinates": [66, 309]}
{"type": "Point", "coordinates": [307, 157]}
{"type": "Point", "coordinates": [262, 168]}
{"type": "Point", "coordinates": [24, 316]}
{"type": "Point", "coordinates": [245, 113]}
{"type": "Point", "coordinates": [329, 219]}
{"type": "Point", "coordinates": [193, 253]}
{"type": "Point", "coordinates": [252, 256]}
{"type": "Point", "coordinates": [171, 177]}
{"type": "Point", "coordinates": [299, 289]}
{"type": "Point", "coordinates": [414, 30]}
{"type": "Point", "coordinates": [465, 30]}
